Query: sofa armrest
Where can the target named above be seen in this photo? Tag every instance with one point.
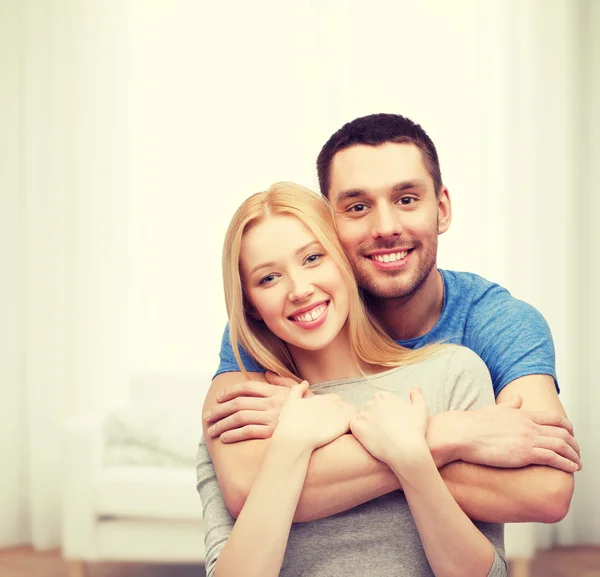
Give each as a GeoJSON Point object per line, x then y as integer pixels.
{"type": "Point", "coordinates": [83, 444]}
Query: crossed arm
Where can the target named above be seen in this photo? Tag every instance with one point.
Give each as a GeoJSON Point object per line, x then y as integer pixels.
{"type": "Point", "coordinates": [501, 464]}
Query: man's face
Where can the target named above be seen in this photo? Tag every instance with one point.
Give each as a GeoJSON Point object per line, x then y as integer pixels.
{"type": "Point", "coordinates": [388, 216]}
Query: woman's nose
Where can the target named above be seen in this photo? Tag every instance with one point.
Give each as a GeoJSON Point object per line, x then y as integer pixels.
{"type": "Point", "coordinates": [301, 290]}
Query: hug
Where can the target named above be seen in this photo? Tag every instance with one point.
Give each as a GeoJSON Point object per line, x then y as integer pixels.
{"type": "Point", "coordinates": [372, 410]}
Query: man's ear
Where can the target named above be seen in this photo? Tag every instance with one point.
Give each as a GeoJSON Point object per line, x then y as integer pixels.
{"type": "Point", "coordinates": [444, 210]}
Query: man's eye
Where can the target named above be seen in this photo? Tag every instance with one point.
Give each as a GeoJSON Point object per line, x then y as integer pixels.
{"type": "Point", "coordinates": [267, 279]}
{"type": "Point", "coordinates": [357, 208]}
{"type": "Point", "coordinates": [407, 200]}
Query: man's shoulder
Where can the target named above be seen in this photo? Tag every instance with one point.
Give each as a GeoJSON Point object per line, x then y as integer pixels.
{"type": "Point", "coordinates": [482, 302]}
{"type": "Point", "coordinates": [486, 304]}
{"type": "Point", "coordinates": [471, 282]}
{"type": "Point", "coordinates": [470, 290]}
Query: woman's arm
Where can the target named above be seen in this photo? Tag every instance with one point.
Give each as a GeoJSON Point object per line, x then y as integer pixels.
{"type": "Point", "coordinates": [453, 544]}
{"type": "Point", "coordinates": [258, 540]}
{"type": "Point", "coordinates": [394, 431]}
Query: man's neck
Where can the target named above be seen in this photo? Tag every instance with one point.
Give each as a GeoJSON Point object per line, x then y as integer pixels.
{"type": "Point", "coordinates": [414, 315]}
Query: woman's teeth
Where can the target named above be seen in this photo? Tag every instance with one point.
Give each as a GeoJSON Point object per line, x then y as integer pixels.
{"type": "Point", "coordinates": [311, 315]}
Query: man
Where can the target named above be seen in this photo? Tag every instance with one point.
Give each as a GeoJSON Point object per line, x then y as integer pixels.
{"type": "Point", "coordinates": [512, 462]}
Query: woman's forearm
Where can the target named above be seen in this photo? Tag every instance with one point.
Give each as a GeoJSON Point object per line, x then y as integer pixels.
{"type": "Point", "coordinates": [258, 540]}
{"type": "Point", "coordinates": [453, 544]}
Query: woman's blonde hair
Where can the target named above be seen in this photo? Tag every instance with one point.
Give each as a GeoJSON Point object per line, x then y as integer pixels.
{"type": "Point", "coordinates": [368, 340]}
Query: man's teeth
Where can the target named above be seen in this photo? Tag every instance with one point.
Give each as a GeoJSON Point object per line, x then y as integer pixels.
{"type": "Point", "coordinates": [390, 257]}
{"type": "Point", "coordinates": [312, 315]}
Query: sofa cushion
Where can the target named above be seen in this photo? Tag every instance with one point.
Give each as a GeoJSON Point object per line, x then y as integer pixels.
{"type": "Point", "coordinates": [152, 435]}
{"type": "Point", "coordinates": [147, 492]}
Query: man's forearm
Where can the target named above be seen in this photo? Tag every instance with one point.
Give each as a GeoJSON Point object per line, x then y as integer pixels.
{"type": "Point", "coordinates": [343, 474]}
{"type": "Point", "coordinates": [529, 494]}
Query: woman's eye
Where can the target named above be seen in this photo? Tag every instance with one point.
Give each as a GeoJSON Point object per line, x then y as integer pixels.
{"type": "Point", "coordinates": [267, 279]}
{"type": "Point", "coordinates": [312, 258]}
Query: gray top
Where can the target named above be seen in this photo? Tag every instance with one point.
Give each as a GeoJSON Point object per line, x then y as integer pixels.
{"type": "Point", "coordinates": [378, 537]}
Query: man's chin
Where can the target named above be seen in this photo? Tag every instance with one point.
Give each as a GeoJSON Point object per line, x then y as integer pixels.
{"type": "Point", "coordinates": [387, 290]}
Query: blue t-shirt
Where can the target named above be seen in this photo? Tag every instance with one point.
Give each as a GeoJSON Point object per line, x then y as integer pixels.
{"type": "Point", "coordinates": [511, 336]}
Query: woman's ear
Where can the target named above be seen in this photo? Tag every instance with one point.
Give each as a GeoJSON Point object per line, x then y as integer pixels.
{"type": "Point", "coordinates": [249, 309]}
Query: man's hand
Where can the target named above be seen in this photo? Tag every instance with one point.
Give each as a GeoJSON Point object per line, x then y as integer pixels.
{"type": "Point", "coordinates": [504, 435]}
{"type": "Point", "coordinates": [249, 409]}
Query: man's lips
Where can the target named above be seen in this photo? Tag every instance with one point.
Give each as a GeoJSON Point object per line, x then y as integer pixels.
{"type": "Point", "coordinates": [390, 258]}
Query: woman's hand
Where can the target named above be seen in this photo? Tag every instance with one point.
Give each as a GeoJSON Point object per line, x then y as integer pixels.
{"type": "Point", "coordinates": [314, 420]}
{"type": "Point", "coordinates": [392, 430]}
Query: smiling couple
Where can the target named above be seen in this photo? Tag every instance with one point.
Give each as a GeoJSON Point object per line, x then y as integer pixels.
{"type": "Point", "coordinates": [372, 445]}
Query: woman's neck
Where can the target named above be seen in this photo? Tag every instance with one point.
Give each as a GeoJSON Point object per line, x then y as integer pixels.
{"type": "Point", "coordinates": [334, 362]}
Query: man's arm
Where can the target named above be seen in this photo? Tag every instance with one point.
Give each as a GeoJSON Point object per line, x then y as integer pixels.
{"type": "Point", "coordinates": [343, 474]}
{"type": "Point", "coordinates": [538, 392]}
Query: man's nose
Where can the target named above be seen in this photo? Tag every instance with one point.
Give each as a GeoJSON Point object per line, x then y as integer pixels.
{"type": "Point", "coordinates": [386, 223]}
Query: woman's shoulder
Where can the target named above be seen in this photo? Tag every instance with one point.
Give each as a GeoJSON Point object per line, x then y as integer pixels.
{"type": "Point", "coordinates": [462, 354]}
{"type": "Point", "coordinates": [460, 359]}
{"type": "Point", "coordinates": [448, 356]}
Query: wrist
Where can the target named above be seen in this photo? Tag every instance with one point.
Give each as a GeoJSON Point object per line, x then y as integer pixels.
{"type": "Point", "coordinates": [442, 437]}
{"type": "Point", "coordinates": [290, 440]}
{"type": "Point", "coordinates": [411, 461]}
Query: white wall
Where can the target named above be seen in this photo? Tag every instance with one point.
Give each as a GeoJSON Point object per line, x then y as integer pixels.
{"type": "Point", "coordinates": [13, 491]}
{"type": "Point", "coordinates": [143, 124]}
{"type": "Point", "coordinates": [227, 109]}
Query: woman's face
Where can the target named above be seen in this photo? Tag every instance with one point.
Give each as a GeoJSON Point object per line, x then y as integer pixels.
{"type": "Point", "coordinates": [292, 284]}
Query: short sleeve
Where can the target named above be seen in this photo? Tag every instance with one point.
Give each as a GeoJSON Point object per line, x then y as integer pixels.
{"type": "Point", "coordinates": [228, 363]}
{"type": "Point", "coordinates": [467, 381]}
{"type": "Point", "coordinates": [512, 338]}
{"type": "Point", "coordinates": [218, 522]}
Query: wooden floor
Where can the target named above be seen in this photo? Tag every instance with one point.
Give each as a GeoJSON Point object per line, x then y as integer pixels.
{"type": "Point", "coordinates": [23, 562]}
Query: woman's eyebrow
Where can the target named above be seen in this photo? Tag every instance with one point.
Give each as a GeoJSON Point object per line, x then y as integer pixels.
{"type": "Point", "coordinates": [312, 243]}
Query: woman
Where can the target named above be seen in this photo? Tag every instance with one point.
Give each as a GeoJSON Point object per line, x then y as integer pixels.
{"type": "Point", "coordinates": [294, 305]}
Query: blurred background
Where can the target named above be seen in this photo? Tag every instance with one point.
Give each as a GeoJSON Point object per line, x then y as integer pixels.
{"type": "Point", "coordinates": [132, 129]}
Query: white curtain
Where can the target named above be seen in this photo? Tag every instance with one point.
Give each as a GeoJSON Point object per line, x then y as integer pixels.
{"type": "Point", "coordinates": [143, 124]}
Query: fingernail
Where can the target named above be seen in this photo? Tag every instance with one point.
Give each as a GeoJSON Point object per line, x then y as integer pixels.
{"type": "Point", "coordinates": [224, 437]}
{"type": "Point", "coordinates": [207, 414]}
{"type": "Point", "coordinates": [211, 430]}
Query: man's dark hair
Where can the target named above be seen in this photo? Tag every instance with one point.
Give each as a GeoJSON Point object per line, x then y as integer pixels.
{"type": "Point", "coordinates": [373, 130]}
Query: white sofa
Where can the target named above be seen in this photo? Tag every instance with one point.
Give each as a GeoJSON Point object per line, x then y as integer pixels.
{"type": "Point", "coordinates": [118, 510]}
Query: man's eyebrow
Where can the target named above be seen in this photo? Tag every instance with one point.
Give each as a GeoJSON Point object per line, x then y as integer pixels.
{"type": "Point", "coordinates": [349, 194]}
{"type": "Point", "coordinates": [312, 243]}
{"type": "Point", "coordinates": [353, 193]}
{"type": "Point", "coordinates": [408, 184]}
